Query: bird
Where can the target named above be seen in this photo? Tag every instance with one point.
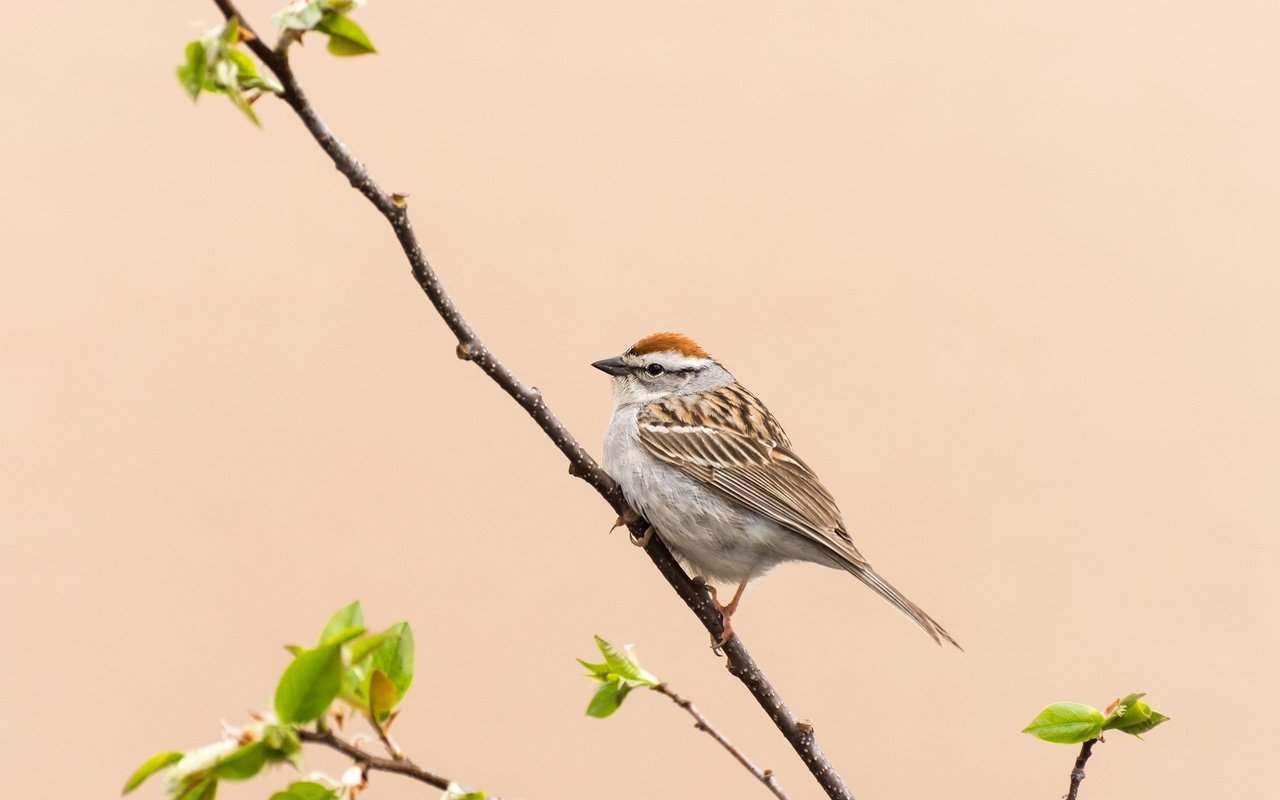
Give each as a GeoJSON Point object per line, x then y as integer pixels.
{"type": "Point", "coordinates": [711, 469]}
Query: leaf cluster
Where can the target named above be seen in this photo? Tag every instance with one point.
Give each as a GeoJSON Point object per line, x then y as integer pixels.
{"type": "Point", "coordinates": [217, 64]}
{"type": "Point", "coordinates": [1073, 723]}
{"type": "Point", "coordinates": [618, 674]}
{"type": "Point", "coordinates": [371, 672]}
{"type": "Point", "coordinates": [368, 672]}
{"type": "Point", "coordinates": [329, 17]}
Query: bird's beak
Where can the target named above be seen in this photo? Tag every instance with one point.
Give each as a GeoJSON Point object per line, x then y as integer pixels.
{"type": "Point", "coordinates": [613, 366]}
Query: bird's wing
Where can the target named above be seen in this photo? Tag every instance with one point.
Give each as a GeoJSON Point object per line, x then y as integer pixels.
{"type": "Point", "coordinates": [726, 439]}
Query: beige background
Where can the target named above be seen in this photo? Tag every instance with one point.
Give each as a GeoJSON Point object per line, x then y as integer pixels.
{"type": "Point", "coordinates": [1007, 272]}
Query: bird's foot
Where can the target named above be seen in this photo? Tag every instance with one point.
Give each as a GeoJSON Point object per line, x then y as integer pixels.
{"type": "Point", "coordinates": [627, 517]}
{"type": "Point", "coordinates": [723, 639]}
{"type": "Point", "coordinates": [726, 614]}
{"type": "Point", "coordinates": [643, 541]}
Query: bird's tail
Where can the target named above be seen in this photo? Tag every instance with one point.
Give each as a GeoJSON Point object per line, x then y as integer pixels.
{"type": "Point", "coordinates": [883, 588]}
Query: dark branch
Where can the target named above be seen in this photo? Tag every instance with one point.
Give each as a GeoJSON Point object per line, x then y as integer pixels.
{"type": "Point", "coordinates": [1077, 774]}
{"type": "Point", "coordinates": [399, 766]}
{"type": "Point", "coordinates": [740, 663]}
{"type": "Point", "coordinates": [765, 776]}
{"type": "Point", "coordinates": [581, 464]}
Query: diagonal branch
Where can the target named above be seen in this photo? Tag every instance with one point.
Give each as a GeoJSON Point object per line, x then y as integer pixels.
{"type": "Point", "coordinates": [397, 766]}
{"type": "Point", "coordinates": [581, 465]}
{"type": "Point", "coordinates": [765, 776]}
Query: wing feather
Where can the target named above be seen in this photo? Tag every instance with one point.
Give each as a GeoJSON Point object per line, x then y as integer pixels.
{"type": "Point", "coordinates": [726, 439]}
{"type": "Point", "coordinates": [735, 446]}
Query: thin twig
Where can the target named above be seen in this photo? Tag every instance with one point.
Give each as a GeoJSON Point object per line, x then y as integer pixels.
{"type": "Point", "coordinates": [765, 776]}
{"type": "Point", "coordinates": [398, 766]}
{"type": "Point", "coordinates": [383, 737]}
{"type": "Point", "coordinates": [1077, 774]}
{"type": "Point", "coordinates": [581, 465]}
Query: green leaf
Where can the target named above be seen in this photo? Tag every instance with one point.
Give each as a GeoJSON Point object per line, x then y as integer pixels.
{"type": "Point", "coordinates": [456, 792]}
{"type": "Point", "coordinates": [309, 684]}
{"type": "Point", "coordinates": [1133, 716]}
{"type": "Point", "coordinates": [617, 660]}
{"type": "Point", "coordinates": [191, 84]}
{"type": "Point", "coordinates": [1066, 723]}
{"type": "Point", "coordinates": [245, 68]}
{"type": "Point", "coordinates": [607, 699]}
{"type": "Point", "coordinates": [349, 616]}
{"type": "Point", "coordinates": [238, 100]}
{"type": "Point", "coordinates": [394, 656]}
{"type": "Point", "coordinates": [345, 635]}
{"type": "Point", "coordinates": [150, 767]}
{"type": "Point", "coordinates": [205, 789]}
{"type": "Point", "coordinates": [623, 662]}
{"type": "Point", "coordinates": [346, 38]}
{"type": "Point", "coordinates": [1117, 709]}
{"type": "Point", "coordinates": [618, 674]}
{"type": "Point", "coordinates": [307, 790]}
{"type": "Point", "coordinates": [192, 73]}
{"type": "Point", "coordinates": [242, 763]}
{"type": "Point", "coordinates": [390, 651]}
{"type": "Point", "coordinates": [363, 647]}
{"type": "Point", "coordinates": [1151, 718]}
{"type": "Point", "coordinates": [382, 694]}
{"type": "Point", "coordinates": [231, 32]}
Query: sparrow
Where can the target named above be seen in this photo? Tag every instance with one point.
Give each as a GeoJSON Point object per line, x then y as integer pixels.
{"type": "Point", "coordinates": [707, 464]}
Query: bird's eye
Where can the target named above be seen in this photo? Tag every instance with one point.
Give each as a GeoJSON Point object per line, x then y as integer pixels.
{"type": "Point", "coordinates": [655, 370]}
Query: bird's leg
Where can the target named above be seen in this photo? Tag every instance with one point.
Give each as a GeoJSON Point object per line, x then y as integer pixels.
{"type": "Point", "coordinates": [733, 604]}
{"type": "Point", "coordinates": [726, 611]}
{"type": "Point", "coordinates": [644, 540]}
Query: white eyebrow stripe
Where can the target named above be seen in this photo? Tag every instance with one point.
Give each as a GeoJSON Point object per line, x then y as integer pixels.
{"type": "Point", "coordinates": [668, 359]}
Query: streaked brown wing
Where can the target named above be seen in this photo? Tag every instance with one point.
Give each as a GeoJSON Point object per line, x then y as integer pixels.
{"type": "Point", "coordinates": [727, 440]}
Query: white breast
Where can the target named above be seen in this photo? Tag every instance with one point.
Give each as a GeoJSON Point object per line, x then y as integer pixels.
{"type": "Point", "coordinates": [717, 538]}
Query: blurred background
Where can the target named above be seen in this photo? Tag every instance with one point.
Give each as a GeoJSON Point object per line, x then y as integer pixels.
{"type": "Point", "coordinates": [1007, 272]}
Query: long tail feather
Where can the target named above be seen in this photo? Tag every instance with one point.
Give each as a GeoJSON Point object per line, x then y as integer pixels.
{"type": "Point", "coordinates": [883, 588]}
